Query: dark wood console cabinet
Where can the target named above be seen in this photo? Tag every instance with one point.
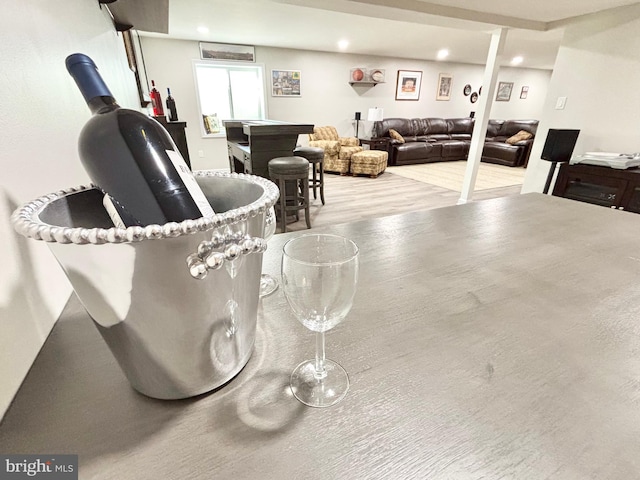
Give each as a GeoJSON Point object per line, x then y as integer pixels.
{"type": "Point", "coordinates": [604, 186]}
{"type": "Point", "coordinates": [179, 136]}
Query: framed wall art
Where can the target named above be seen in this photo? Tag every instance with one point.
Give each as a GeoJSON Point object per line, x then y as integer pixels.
{"type": "Point", "coordinates": [408, 85]}
{"type": "Point", "coordinates": [225, 51]}
{"type": "Point", "coordinates": [503, 93]}
{"type": "Point", "coordinates": [445, 81]}
{"type": "Point", "coordinates": [285, 83]}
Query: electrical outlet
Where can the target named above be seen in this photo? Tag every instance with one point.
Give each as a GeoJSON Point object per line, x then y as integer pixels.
{"type": "Point", "coordinates": [201, 153]}
{"type": "Point", "coordinates": [560, 103]}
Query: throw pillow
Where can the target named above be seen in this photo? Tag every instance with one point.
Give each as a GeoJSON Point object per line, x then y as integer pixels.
{"type": "Point", "coordinates": [521, 135]}
{"type": "Point", "coordinates": [395, 135]}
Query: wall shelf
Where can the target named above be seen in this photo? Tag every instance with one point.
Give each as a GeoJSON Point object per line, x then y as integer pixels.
{"type": "Point", "coordinates": [365, 83]}
{"type": "Point", "coordinates": [146, 15]}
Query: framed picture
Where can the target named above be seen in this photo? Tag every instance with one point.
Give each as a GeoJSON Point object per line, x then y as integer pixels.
{"type": "Point", "coordinates": [285, 83]}
{"type": "Point", "coordinates": [408, 85]}
{"type": "Point", "coordinates": [503, 93]}
{"type": "Point", "coordinates": [445, 81]}
{"type": "Point", "coordinates": [225, 51]}
{"type": "Point", "coordinates": [132, 58]}
{"type": "Point", "coordinates": [211, 123]}
{"type": "Point", "coordinates": [524, 92]}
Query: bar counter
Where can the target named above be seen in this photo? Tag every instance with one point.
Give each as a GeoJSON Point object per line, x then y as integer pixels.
{"type": "Point", "coordinates": [496, 339]}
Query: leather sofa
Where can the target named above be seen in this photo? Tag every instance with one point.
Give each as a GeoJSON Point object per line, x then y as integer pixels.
{"type": "Point", "coordinates": [497, 150]}
{"type": "Point", "coordinates": [426, 140]}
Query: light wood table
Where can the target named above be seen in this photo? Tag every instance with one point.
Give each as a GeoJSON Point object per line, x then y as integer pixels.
{"type": "Point", "coordinates": [497, 339]}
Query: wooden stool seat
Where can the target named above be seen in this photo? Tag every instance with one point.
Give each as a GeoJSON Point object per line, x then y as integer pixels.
{"type": "Point", "coordinates": [291, 174]}
{"type": "Point", "coordinates": [315, 155]}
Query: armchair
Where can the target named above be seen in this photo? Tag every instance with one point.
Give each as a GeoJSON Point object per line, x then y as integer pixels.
{"type": "Point", "coordinates": [337, 150]}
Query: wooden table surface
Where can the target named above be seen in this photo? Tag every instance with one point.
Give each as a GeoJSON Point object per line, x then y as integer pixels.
{"type": "Point", "coordinates": [497, 339]}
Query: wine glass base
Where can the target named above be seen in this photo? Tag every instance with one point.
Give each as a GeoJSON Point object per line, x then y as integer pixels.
{"type": "Point", "coordinates": [316, 392]}
{"type": "Point", "coordinates": [268, 285]}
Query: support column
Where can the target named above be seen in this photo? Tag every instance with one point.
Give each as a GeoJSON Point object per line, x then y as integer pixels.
{"type": "Point", "coordinates": [489, 79]}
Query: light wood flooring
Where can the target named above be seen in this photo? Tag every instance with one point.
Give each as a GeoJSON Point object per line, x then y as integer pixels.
{"type": "Point", "coordinates": [355, 198]}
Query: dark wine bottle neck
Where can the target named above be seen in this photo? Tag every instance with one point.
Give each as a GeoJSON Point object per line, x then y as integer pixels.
{"type": "Point", "coordinates": [102, 104]}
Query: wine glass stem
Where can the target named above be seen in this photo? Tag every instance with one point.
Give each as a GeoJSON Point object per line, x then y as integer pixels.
{"type": "Point", "coordinates": [321, 371]}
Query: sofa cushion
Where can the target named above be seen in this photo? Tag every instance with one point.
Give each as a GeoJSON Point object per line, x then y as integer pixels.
{"type": "Point", "coordinates": [437, 126]}
{"type": "Point", "coordinates": [330, 147]}
{"type": "Point", "coordinates": [494, 127]}
{"type": "Point", "coordinates": [324, 133]}
{"type": "Point", "coordinates": [421, 126]}
{"type": "Point", "coordinates": [460, 126]}
{"type": "Point", "coordinates": [518, 137]}
{"type": "Point", "coordinates": [349, 141]}
{"type": "Point", "coordinates": [461, 136]}
{"type": "Point", "coordinates": [396, 136]}
{"type": "Point", "coordinates": [404, 126]}
{"type": "Point", "coordinates": [511, 127]}
{"type": "Point", "coordinates": [455, 150]}
{"type": "Point", "coordinates": [416, 151]}
{"type": "Point", "coordinates": [503, 154]}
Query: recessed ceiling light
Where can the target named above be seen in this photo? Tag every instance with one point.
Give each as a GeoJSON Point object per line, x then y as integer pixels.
{"type": "Point", "coordinates": [442, 54]}
{"type": "Point", "coordinates": [516, 60]}
{"type": "Point", "coordinates": [203, 30]}
{"type": "Point", "coordinates": [343, 44]}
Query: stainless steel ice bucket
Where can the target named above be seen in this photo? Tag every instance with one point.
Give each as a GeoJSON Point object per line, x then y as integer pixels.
{"type": "Point", "coordinates": [174, 336]}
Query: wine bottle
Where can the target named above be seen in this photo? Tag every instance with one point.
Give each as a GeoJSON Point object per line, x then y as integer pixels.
{"type": "Point", "coordinates": [132, 158]}
{"type": "Point", "coordinates": [156, 101]}
{"type": "Point", "coordinates": [171, 107]}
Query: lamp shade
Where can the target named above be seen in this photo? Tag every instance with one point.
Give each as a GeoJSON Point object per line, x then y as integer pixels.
{"type": "Point", "coordinates": [375, 114]}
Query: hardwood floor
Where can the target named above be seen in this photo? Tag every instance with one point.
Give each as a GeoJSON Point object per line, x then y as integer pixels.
{"type": "Point", "coordinates": [355, 198]}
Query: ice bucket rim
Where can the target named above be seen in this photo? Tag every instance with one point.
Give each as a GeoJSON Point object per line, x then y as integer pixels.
{"type": "Point", "coordinates": [26, 222]}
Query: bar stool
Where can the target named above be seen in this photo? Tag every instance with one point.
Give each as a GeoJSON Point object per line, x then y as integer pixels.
{"type": "Point", "coordinates": [315, 155]}
{"type": "Point", "coordinates": [292, 176]}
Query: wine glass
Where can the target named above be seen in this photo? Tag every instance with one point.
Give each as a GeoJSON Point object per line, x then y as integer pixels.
{"type": "Point", "coordinates": [268, 284]}
{"type": "Point", "coordinates": [319, 278]}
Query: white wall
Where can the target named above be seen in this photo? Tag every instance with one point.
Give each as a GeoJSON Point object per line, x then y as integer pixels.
{"type": "Point", "coordinates": [598, 70]}
{"type": "Point", "coordinates": [326, 96]}
{"type": "Point", "coordinates": [42, 113]}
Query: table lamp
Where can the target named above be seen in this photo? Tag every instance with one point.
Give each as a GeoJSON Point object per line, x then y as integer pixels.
{"type": "Point", "coordinates": [375, 115]}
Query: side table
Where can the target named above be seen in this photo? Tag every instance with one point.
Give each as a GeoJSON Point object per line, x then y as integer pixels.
{"type": "Point", "coordinates": [375, 143]}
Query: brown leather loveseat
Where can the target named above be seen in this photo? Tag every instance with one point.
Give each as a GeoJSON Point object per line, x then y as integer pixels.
{"type": "Point", "coordinates": [425, 140]}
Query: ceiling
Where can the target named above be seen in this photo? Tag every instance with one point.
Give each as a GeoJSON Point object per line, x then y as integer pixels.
{"type": "Point", "coordinates": [415, 29]}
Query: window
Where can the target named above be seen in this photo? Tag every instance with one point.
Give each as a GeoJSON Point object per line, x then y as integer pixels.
{"type": "Point", "coordinates": [229, 91]}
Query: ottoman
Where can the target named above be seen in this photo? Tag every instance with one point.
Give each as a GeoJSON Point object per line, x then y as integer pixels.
{"type": "Point", "coordinates": [341, 163]}
{"type": "Point", "coordinates": [369, 162]}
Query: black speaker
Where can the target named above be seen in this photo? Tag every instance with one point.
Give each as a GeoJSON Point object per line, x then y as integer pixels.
{"type": "Point", "coordinates": [558, 148]}
{"type": "Point", "coordinates": [358, 115]}
{"type": "Point", "coordinates": [559, 145]}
